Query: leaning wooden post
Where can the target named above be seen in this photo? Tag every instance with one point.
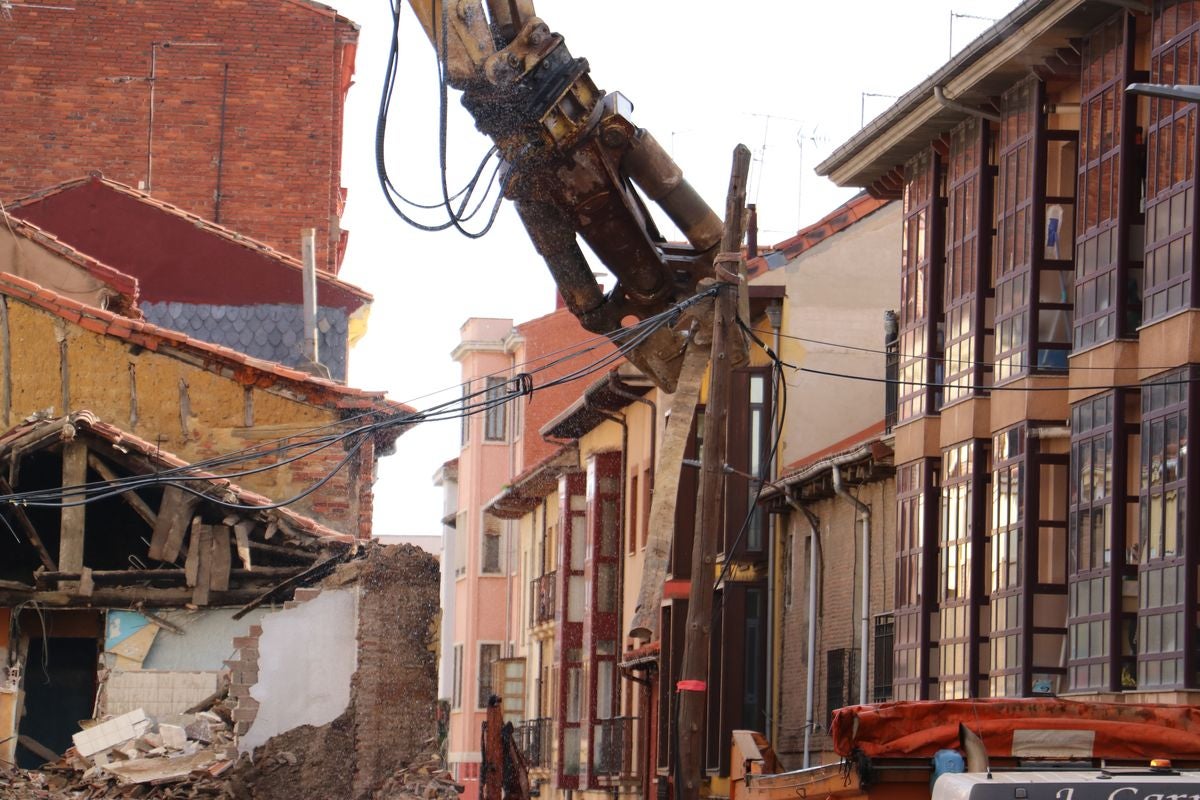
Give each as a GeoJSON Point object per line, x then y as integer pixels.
{"type": "Point", "coordinates": [693, 676]}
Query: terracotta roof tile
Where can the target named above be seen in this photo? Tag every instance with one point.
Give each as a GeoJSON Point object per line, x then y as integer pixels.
{"type": "Point", "coordinates": [856, 208]}
{"type": "Point", "coordinates": [849, 443]}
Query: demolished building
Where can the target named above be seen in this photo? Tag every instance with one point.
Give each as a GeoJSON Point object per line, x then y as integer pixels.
{"type": "Point", "coordinates": [221, 544]}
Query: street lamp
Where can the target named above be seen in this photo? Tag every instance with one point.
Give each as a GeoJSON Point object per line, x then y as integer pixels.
{"type": "Point", "coordinates": [1185, 92]}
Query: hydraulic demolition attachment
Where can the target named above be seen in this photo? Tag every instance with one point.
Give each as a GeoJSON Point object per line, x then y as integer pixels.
{"type": "Point", "coordinates": [575, 164]}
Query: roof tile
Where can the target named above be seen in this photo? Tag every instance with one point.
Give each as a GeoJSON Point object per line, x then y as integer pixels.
{"type": "Point", "coordinates": [856, 208]}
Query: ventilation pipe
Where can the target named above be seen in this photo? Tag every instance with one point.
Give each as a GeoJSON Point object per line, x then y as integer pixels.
{"type": "Point", "coordinates": [310, 360]}
{"type": "Point", "coordinates": [810, 682]}
{"type": "Point", "coordinates": [865, 632]}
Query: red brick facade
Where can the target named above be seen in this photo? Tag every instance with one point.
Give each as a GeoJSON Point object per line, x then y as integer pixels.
{"type": "Point", "coordinates": [547, 339]}
{"type": "Point", "coordinates": [247, 97]}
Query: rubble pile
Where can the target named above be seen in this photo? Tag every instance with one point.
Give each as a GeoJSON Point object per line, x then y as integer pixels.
{"type": "Point", "coordinates": [183, 757]}
{"type": "Point", "coordinates": [425, 778]}
{"type": "Point", "coordinates": [17, 784]}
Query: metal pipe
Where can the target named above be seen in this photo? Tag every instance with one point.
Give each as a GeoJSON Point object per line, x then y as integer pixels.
{"type": "Point", "coordinates": [221, 145]}
{"type": "Point", "coordinates": [150, 118]}
{"type": "Point", "coordinates": [310, 346]}
{"type": "Point", "coordinates": [617, 387]}
{"type": "Point", "coordinates": [775, 317]}
{"type": "Point", "coordinates": [939, 95]}
{"type": "Point", "coordinates": [810, 682]}
{"type": "Point", "coordinates": [864, 622]}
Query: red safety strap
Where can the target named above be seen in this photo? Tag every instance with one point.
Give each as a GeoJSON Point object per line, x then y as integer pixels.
{"type": "Point", "coordinates": [691, 686]}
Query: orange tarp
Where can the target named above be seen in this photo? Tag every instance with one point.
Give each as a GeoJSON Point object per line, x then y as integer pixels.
{"type": "Point", "coordinates": [1018, 727]}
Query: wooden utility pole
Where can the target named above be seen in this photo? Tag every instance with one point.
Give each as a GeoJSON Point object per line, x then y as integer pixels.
{"type": "Point", "coordinates": [693, 676]}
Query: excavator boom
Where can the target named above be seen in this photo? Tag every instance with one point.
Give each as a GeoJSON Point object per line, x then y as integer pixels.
{"type": "Point", "coordinates": [577, 167]}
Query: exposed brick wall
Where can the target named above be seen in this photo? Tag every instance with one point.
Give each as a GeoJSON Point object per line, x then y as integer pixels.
{"type": "Point", "coordinates": [243, 673]}
{"type": "Point", "coordinates": [839, 577]}
{"type": "Point", "coordinates": [393, 710]}
{"type": "Point", "coordinates": [76, 97]}
{"type": "Point", "coordinates": [547, 339]}
{"type": "Point", "coordinates": [395, 688]}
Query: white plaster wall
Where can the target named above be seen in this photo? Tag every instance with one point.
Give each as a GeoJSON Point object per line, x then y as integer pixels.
{"type": "Point", "coordinates": [307, 656]}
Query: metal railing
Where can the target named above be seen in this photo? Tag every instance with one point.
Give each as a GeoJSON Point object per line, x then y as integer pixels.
{"type": "Point", "coordinates": [535, 739]}
{"type": "Point", "coordinates": [542, 599]}
{"type": "Point", "coordinates": [613, 748]}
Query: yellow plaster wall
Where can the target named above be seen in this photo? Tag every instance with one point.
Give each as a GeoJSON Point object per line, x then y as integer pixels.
{"type": "Point", "coordinates": [99, 369]}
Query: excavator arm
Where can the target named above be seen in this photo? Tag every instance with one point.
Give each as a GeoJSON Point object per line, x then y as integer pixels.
{"type": "Point", "coordinates": [577, 166]}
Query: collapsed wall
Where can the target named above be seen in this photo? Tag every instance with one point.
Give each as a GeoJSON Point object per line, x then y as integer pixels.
{"type": "Point", "coordinates": [390, 701]}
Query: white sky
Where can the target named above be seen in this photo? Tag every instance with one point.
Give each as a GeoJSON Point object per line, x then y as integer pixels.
{"type": "Point", "coordinates": [785, 77]}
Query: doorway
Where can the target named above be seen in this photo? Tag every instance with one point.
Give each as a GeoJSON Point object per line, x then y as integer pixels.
{"type": "Point", "coordinates": [59, 691]}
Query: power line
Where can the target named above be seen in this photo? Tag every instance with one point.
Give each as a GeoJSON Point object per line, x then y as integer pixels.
{"type": "Point", "coordinates": [942, 359]}
{"type": "Point", "coordinates": [990, 388]}
{"type": "Point", "coordinates": [493, 396]}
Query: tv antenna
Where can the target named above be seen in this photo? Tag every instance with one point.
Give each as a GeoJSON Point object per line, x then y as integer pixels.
{"type": "Point", "coordinates": [7, 6]}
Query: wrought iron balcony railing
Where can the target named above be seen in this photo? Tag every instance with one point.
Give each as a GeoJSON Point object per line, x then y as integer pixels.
{"type": "Point", "coordinates": [614, 751]}
{"type": "Point", "coordinates": [535, 740]}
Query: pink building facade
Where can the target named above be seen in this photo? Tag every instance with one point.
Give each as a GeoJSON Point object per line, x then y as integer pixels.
{"type": "Point", "coordinates": [498, 443]}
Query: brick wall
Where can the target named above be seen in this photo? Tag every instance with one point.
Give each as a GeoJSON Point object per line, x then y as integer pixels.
{"type": "Point", "coordinates": [393, 709]}
{"type": "Point", "coordinates": [76, 96]}
{"type": "Point", "coordinates": [838, 620]}
{"type": "Point", "coordinates": [395, 688]}
{"type": "Point", "coordinates": [547, 339]}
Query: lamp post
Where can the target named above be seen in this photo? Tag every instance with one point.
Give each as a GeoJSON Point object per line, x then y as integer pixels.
{"type": "Point", "coordinates": [1185, 92]}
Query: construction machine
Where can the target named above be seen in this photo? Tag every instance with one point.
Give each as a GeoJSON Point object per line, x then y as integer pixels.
{"type": "Point", "coordinates": [576, 165]}
{"type": "Point", "coordinates": [1000, 749]}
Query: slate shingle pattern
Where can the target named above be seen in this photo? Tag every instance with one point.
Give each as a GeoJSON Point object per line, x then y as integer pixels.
{"type": "Point", "coordinates": [271, 332]}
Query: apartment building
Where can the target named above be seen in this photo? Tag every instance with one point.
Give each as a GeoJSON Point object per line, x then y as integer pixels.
{"type": "Point", "coordinates": [597, 711]}
{"type": "Point", "coordinates": [1047, 523]}
{"type": "Point", "coordinates": [498, 444]}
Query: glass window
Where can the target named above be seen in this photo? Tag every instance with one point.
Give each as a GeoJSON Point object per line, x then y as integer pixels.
{"type": "Point", "coordinates": [496, 412]}
{"type": "Point", "coordinates": [489, 654]}
{"type": "Point", "coordinates": [759, 447]}
{"type": "Point", "coordinates": [920, 288]}
{"type": "Point", "coordinates": [1161, 532]}
{"type": "Point", "coordinates": [489, 560]}
{"type": "Point", "coordinates": [1101, 266]}
{"type": "Point", "coordinates": [968, 265]}
{"type": "Point", "coordinates": [1090, 526]}
{"type": "Point", "coordinates": [456, 689]}
{"type": "Point", "coordinates": [1170, 178]}
{"type": "Point", "coordinates": [1008, 517]}
{"type": "Point", "coordinates": [957, 595]}
{"type": "Point", "coordinates": [464, 409]}
{"type": "Point", "coordinates": [1013, 257]}
{"type": "Point", "coordinates": [916, 497]}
